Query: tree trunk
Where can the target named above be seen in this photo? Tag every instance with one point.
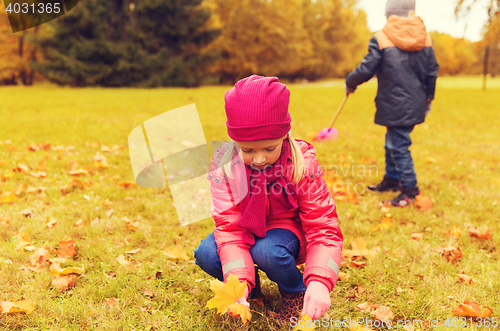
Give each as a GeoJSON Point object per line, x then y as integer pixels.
{"type": "Point", "coordinates": [485, 65]}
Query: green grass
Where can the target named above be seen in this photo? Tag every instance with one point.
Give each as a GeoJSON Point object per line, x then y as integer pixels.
{"type": "Point", "coordinates": [457, 159]}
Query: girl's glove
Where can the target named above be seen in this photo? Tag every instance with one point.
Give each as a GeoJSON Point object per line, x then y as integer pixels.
{"type": "Point", "coordinates": [242, 301]}
{"type": "Point", "coordinates": [316, 300]}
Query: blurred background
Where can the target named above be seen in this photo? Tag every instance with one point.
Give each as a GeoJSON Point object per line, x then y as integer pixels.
{"type": "Point", "coordinates": [151, 43]}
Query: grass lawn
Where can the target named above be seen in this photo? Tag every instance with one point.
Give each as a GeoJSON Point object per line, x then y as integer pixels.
{"type": "Point", "coordinates": [457, 159]}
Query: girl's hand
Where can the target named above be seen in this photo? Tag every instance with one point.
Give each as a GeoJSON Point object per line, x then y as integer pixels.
{"type": "Point", "coordinates": [242, 301]}
{"type": "Point", "coordinates": [316, 300]}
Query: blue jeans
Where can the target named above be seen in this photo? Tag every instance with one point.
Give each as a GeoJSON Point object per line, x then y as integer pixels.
{"type": "Point", "coordinates": [274, 254]}
{"type": "Point", "coordinates": [398, 161]}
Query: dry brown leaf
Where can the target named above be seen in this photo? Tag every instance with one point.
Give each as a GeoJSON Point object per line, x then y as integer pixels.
{"type": "Point", "coordinates": [66, 249]}
{"type": "Point", "coordinates": [26, 212]}
{"type": "Point", "coordinates": [80, 223]}
{"type": "Point", "coordinates": [366, 306]}
{"type": "Point", "coordinates": [78, 172]}
{"type": "Point", "coordinates": [149, 293]}
{"type": "Point", "coordinates": [122, 261]}
{"type": "Point", "coordinates": [471, 308]}
{"type": "Point", "coordinates": [466, 279]}
{"type": "Point", "coordinates": [385, 224]}
{"type": "Point", "coordinates": [21, 168]}
{"type": "Point", "coordinates": [109, 212]}
{"type": "Point", "coordinates": [423, 202]}
{"type": "Point", "coordinates": [126, 184]}
{"type": "Point", "coordinates": [343, 276]}
{"type": "Point", "coordinates": [24, 306]}
{"type": "Point", "coordinates": [62, 283]}
{"type": "Point", "coordinates": [38, 260]}
{"type": "Point", "coordinates": [50, 222]}
{"type": "Point", "coordinates": [132, 251]}
{"type": "Point", "coordinates": [455, 232]}
{"type": "Point", "coordinates": [383, 314]}
{"type": "Point", "coordinates": [24, 242]}
{"type": "Point", "coordinates": [451, 253]}
{"type": "Point", "coordinates": [358, 264]}
{"type": "Point", "coordinates": [112, 302]}
{"type": "Point", "coordinates": [176, 252]}
{"type": "Point", "coordinates": [131, 225]}
{"type": "Point", "coordinates": [107, 203]}
{"type": "Point", "coordinates": [417, 236]}
{"type": "Point", "coordinates": [483, 233]}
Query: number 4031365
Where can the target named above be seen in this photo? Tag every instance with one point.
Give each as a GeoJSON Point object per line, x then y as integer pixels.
{"type": "Point", "coordinates": [32, 8]}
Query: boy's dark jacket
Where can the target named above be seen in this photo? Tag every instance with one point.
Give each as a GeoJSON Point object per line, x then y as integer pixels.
{"type": "Point", "coordinates": [403, 58]}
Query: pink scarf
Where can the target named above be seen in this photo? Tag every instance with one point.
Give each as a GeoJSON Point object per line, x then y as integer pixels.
{"type": "Point", "coordinates": [282, 195]}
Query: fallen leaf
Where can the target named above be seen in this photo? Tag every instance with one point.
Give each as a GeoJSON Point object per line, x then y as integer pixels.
{"type": "Point", "coordinates": [176, 252]}
{"type": "Point", "coordinates": [24, 306]}
{"type": "Point", "coordinates": [483, 233]}
{"type": "Point", "coordinates": [385, 224]}
{"type": "Point", "coordinates": [109, 212]}
{"type": "Point", "coordinates": [466, 279]}
{"type": "Point", "coordinates": [454, 232]}
{"type": "Point", "coordinates": [78, 172]}
{"type": "Point", "coordinates": [383, 314]}
{"type": "Point", "coordinates": [305, 323]}
{"type": "Point", "coordinates": [131, 225]}
{"type": "Point", "coordinates": [417, 236]}
{"type": "Point", "coordinates": [50, 222]}
{"type": "Point", "coordinates": [149, 293]}
{"type": "Point", "coordinates": [38, 260]}
{"type": "Point", "coordinates": [132, 251]}
{"type": "Point", "coordinates": [8, 199]}
{"type": "Point", "coordinates": [226, 295]}
{"type": "Point", "coordinates": [112, 302]}
{"type": "Point", "coordinates": [423, 202]}
{"type": "Point", "coordinates": [62, 283]}
{"type": "Point", "coordinates": [343, 276]}
{"type": "Point", "coordinates": [26, 212]}
{"type": "Point", "coordinates": [24, 242]}
{"type": "Point", "coordinates": [21, 168]}
{"type": "Point", "coordinates": [66, 249]}
{"type": "Point", "coordinates": [80, 223]}
{"type": "Point", "coordinates": [122, 261]}
{"type": "Point", "coordinates": [271, 314]}
{"type": "Point", "coordinates": [451, 253]}
{"type": "Point", "coordinates": [67, 271]}
{"type": "Point", "coordinates": [366, 306]}
{"type": "Point", "coordinates": [126, 184]}
{"type": "Point", "coordinates": [470, 308]}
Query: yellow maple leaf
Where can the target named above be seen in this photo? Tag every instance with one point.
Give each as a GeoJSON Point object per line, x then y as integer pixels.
{"type": "Point", "coordinates": [226, 296]}
{"type": "Point", "coordinates": [305, 323]}
{"type": "Point", "coordinates": [177, 252]}
{"type": "Point", "coordinates": [24, 306]}
{"type": "Point", "coordinates": [67, 271]}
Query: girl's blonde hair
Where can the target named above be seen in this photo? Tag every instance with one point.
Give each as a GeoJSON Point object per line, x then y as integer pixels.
{"type": "Point", "coordinates": [298, 161]}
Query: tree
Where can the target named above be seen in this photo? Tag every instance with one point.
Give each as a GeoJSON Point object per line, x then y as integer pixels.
{"type": "Point", "coordinates": [121, 43]}
{"type": "Point", "coordinates": [16, 53]}
{"type": "Point", "coordinates": [288, 38]}
{"type": "Point", "coordinates": [491, 36]}
{"type": "Point", "coordinates": [454, 55]}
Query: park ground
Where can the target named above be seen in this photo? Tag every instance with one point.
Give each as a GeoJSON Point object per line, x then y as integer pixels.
{"type": "Point", "coordinates": [457, 159]}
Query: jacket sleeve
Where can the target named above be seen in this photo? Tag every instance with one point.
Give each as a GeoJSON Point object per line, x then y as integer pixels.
{"type": "Point", "coordinates": [319, 219]}
{"type": "Point", "coordinates": [234, 254]}
{"type": "Point", "coordinates": [432, 74]}
{"type": "Point", "coordinates": [368, 67]}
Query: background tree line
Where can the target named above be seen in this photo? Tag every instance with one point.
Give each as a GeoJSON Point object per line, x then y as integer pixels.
{"type": "Point", "coordinates": [191, 42]}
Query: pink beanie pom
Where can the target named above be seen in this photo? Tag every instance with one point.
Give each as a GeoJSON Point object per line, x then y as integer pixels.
{"type": "Point", "coordinates": [257, 109]}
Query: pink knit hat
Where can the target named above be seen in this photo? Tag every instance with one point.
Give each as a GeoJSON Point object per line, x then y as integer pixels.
{"type": "Point", "coordinates": [257, 109]}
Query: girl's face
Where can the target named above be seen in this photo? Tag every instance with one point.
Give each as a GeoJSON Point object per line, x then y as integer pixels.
{"type": "Point", "coordinates": [260, 154]}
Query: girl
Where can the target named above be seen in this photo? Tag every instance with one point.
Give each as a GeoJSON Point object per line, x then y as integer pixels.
{"type": "Point", "coordinates": [270, 204]}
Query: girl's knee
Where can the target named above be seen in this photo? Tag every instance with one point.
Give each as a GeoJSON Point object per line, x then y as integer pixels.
{"type": "Point", "coordinates": [267, 259]}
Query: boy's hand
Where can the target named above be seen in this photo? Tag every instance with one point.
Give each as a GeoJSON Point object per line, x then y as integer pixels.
{"type": "Point", "coordinates": [349, 90]}
{"type": "Point", "coordinates": [428, 106]}
{"type": "Point", "coordinates": [316, 300]}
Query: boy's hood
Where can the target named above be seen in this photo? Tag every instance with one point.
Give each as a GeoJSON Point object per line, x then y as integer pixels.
{"type": "Point", "coordinates": [407, 33]}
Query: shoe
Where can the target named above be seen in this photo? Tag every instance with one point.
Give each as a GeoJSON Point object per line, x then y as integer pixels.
{"type": "Point", "coordinates": [291, 307]}
{"type": "Point", "coordinates": [405, 198]}
{"type": "Point", "coordinates": [387, 184]}
{"type": "Point", "coordinates": [256, 292]}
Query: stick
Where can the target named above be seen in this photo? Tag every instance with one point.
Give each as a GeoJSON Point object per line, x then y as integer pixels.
{"type": "Point", "coordinates": [338, 111]}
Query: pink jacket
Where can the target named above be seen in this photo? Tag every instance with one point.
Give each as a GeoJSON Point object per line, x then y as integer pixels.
{"type": "Point", "coordinates": [315, 223]}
